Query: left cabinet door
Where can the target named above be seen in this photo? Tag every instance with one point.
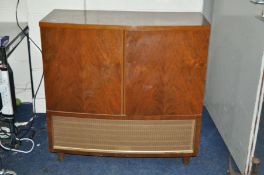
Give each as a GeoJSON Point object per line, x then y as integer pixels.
{"type": "Point", "coordinates": [83, 69]}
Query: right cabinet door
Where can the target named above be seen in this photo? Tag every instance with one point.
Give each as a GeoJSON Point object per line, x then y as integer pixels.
{"type": "Point", "coordinates": [165, 72]}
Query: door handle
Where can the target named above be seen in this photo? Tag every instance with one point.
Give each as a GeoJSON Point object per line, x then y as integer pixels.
{"type": "Point", "coordinates": [257, 1]}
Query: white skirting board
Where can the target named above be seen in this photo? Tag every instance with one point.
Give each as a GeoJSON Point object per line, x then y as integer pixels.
{"type": "Point", "coordinates": [40, 105]}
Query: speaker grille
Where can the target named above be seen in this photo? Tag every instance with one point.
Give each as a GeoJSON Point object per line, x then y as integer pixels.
{"type": "Point", "coordinates": [123, 136]}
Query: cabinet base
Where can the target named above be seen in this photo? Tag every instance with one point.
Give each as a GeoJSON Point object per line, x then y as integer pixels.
{"type": "Point", "coordinates": [60, 156]}
{"type": "Point", "coordinates": [186, 160]}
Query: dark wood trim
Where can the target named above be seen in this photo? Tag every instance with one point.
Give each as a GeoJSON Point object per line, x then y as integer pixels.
{"type": "Point", "coordinates": [197, 135]}
{"type": "Point", "coordinates": [186, 160]}
{"type": "Point", "coordinates": [50, 130]}
{"type": "Point", "coordinates": [128, 28]}
{"type": "Point", "coordinates": [123, 77]}
{"type": "Point", "coordinates": [126, 117]}
{"type": "Point", "coordinates": [124, 155]}
{"type": "Point", "coordinates": [60, 156]}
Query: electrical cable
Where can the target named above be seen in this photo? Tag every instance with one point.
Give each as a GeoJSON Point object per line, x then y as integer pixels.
{"type": "Point", "coordinates": [22, 139]}
{"type": "Point", "coordinates": [18, 1]}
{"type": "Point", "coordinates": [34, 99]}
{"type": "Point", "coordinates": [7, 172]}
{"type": "Point", "coordinates": [17, 150]}
{"type": "Point", "coordinates": [11, 172]}
{"type": "Point", "coordinates": [31, 121]}
{"type": "Point", "coordinates": [42, 76]}
{"type": "Point", "coordinates": [4, 132]}
{"type": "Point", "coordinates": [1, 163]}
{"type": "Point", "coordinates": [12, 134]}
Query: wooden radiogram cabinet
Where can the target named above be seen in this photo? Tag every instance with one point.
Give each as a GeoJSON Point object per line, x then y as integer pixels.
{"type": "Point", "coordinates": [124, 83]}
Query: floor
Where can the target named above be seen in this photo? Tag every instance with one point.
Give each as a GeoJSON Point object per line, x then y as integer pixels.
{"type": "Point", "coordinates": [212, 158]}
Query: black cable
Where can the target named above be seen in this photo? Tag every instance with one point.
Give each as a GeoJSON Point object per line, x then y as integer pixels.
{"type": "Point", "coordinates": [40, 82]}
{"type": "Point", "coordinates": [4, 132]}
{"type": "Point", "coordinates": [1, 163]}
{"type": "Point", "coordinates": [9, 136]}
{"type": "Point", "coordinates": [18, 1]}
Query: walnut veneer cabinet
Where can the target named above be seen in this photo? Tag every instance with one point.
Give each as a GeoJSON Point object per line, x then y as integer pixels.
{"type": "Point", "coordinates": [124, 83]}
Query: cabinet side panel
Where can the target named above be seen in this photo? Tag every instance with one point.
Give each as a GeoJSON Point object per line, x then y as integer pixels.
{"type": "Point", "coordinates": [82, 69]}
{"type": "Point", "coordinates": [165, 72]}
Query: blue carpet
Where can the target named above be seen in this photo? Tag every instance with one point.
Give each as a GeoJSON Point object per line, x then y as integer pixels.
{"type": "Point", "coordinates": [259, 152]}
{"type": "Point", "coordinates": [212, 158]}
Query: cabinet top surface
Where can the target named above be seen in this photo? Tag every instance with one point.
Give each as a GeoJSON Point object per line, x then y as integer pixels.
{"type": "Point", "coordinates": [124, 18]}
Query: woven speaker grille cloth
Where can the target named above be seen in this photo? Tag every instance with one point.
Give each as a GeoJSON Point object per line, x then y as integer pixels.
{"type": "Point", "coordinates": [123, 136]}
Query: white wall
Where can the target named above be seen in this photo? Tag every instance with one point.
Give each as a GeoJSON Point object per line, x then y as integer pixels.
{"type": "Point", "coordinates": [19, 59]}
{"type": "Point", "coordinates": [37, 9]}
{"type": "Point", "coordinates": [208, 9]}
{"type": "Point", "coordinates": [7, 10]}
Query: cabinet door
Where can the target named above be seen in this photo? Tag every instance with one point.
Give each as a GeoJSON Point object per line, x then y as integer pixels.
{"type": "Point", "coordinates": [165, 72]}
{"type": "Point", "coordinates": [83, 69]}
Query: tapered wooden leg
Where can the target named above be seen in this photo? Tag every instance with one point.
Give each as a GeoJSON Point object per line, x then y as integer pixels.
{"type": "Point", "coordinates": [60, 156]}
{"type": "Point", "coordinates": [255, 166]}
{"type": "Point", "coordinates": [186, 160]}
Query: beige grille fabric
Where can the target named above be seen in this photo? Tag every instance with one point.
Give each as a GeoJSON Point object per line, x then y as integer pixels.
{"type": "Point", "coordinates": [123, 136]}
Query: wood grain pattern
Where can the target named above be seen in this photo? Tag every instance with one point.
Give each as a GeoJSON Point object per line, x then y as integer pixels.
{"type": "Point", "coordinates": [50, 131]}
{"type": "Point", "coordinates": [125, 70]}
{"type": "Point", "coordinates": [165, 72]}
{"type": "Point", "coordinates": [83, 69]}
{"type": "Point", "coordinates": [99, 154]}
{"type": "Point", "coordinates": [122, 117]}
